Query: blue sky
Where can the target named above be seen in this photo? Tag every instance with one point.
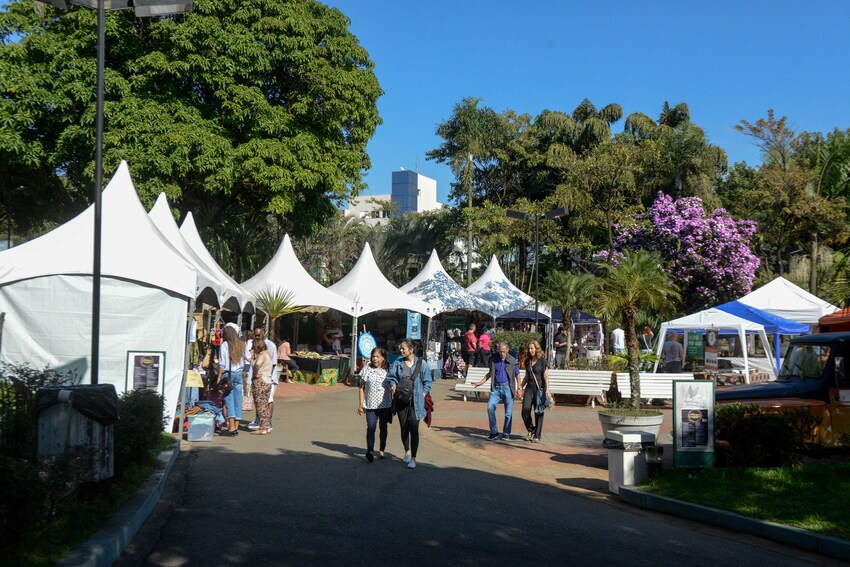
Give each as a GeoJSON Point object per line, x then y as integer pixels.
{"type": "Point", "coordinates": [727, 60]}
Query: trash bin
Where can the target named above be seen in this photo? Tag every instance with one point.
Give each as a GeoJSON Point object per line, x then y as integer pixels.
{"type": "Point", "coordinates": [626, 459]}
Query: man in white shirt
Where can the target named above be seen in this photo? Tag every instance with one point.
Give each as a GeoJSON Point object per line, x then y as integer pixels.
{"type": "Point", "coordinates": [618, 341]}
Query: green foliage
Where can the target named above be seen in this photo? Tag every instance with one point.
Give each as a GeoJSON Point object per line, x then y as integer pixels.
{"type": "Point", "coordinates": [516, 340]}
{"type": "Point", "coordinates": [269, 106]}
{"type": "Point", "coordinates": [22, 502]}
{"type": "Point", "coordinates": [137, 431]}
{"type": "Point", "coordinates": [764, 437]}
{"type": "Point", "coordinates": [19, 385]}
{"type": "Point", "coordinates": [276, 303]}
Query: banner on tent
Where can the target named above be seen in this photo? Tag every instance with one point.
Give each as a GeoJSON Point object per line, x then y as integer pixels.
{"type": "Point", "coordinates": [414, 325]}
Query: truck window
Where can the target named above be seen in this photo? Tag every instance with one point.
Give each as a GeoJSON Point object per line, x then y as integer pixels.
{"type": "Point", "coordinates": [805, 361]}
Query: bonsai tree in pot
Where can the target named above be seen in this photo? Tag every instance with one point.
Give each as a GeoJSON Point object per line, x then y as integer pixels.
{"type": "Point", "coordinates": [635, 283]}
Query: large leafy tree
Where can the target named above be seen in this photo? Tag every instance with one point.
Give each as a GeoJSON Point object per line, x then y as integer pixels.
{"type": "Point", "coordinates": [268, 103]}
{"type": "Point", "coordinates": [707, 256]}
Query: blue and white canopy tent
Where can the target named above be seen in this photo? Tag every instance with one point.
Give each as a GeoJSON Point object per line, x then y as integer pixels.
{"type": "Point", "coordinates": [773, 324]}
{"type": "Point", "coordinates": [499, 296]}
{"type": "Point", "coordinates": [433, 285]}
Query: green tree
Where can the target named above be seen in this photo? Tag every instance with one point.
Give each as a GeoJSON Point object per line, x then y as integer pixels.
{"type": "Point", "coordinates": [270, 105]}
{"type": "Point", "coordinates": [636, 283]}
{"type": "Point", "coordinates": [276, 303]}
{"type": "Point", "coordinates": [567, 290]}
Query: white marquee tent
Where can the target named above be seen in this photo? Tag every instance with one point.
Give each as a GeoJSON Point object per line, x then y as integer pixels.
{"type": "Point", "coordinates": [367, 288]}
{"type": "Point", "coordinates": [433, 285]}
{"type": "Point", "coordinates": [784, 299]}
{"type": "Point", "coordinates": [285, 272]}
{"type": "Point", "coordinates": [193, 238]}
{"type": "Point", "coordinates": [228, 296]}
{"type": "Point", "coordinates": [498, 295]}
{"type": "Point", "coordinates": [717, 320]}
{"type": "Point", "coordinates": [146, 286]}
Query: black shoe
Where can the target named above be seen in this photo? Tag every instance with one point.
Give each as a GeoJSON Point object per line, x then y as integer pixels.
{"type": "Point", "coordinates": [228, 433]}
{"type": "Point", "coordinates": [492, 436]}
{"type": "Point", "coordinates": [369, 456]}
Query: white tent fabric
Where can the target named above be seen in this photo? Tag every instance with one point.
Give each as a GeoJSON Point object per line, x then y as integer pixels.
{"type": "Point", "coordinates": [497, 295]}
{"type": "Point", "coordinates": [285, 272]}
{"type": "Point", "coordinates": [784, 299]}
{"type": "Point", "coordinates": [717, 319]}
{"type": "Point", "coordinates": [46, 293]}
{"type": "Point", "coordinates": [161, 216]}
{"type": "Point", "coordinates": [433, 285]}
{"type": "Point", "coordinates": [367, 288]}
{"type": "Point", "coordinates": [190, 233]}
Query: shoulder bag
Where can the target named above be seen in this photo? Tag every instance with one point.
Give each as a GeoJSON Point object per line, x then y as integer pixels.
{"type": "Point", "coordinates": [541, 400]}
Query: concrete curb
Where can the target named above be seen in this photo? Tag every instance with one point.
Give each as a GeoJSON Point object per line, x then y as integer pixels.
{"type": "Point", "coordinates": [795, 537]}
{"type": "Point", "coordinates": [104, 547]}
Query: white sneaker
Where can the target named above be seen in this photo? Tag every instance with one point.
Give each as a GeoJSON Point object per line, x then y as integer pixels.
{"type": "Point", "coordinates": [411, 464]}
{"type": "Point", "coordinates": [254, 425]}
{"type": "Point", "coordinates": [408, 459]}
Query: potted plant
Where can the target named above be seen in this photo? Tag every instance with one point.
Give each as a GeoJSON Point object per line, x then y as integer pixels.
{"type": "Point", "coordinates": [634, 283]}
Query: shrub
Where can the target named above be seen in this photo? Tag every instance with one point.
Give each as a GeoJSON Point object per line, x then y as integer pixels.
{"type": "Point", "coordinates": [763, 437]}
{"type": "Point", "coordinates": [516, 340]}
{"type": "Point", "coordinates": [140, 421]}
{"type": "Point", "coordinates": [22, 500]}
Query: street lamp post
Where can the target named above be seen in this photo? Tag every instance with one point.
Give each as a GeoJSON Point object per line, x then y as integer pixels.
{"type": "Point", "coordinates": [142, 8]}
{"type": "Point", "coordinates": [553, 214]}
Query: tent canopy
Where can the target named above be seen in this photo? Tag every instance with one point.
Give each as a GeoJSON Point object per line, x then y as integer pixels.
{"type": "Point", "coordinates": [772, 323]}
{"type": "Point", "coordinates": [193, 238]}
{"type": "Point", "coordinates": [226, 295]}
{"type": "Point", "coordinates": [715, 319]}
{"type": "Point", "coordinates": [783, 298]}
{"type": "Point", "coordinates": [433, 285]}
{"type": "Point", "coordinates": [498, 295]}
{"type": "Point", "coordinates": [367, 288]}
{"type": "Point", "coordinates": [285, 273]}
{"type": "Point", "coordinates": [132, 247]}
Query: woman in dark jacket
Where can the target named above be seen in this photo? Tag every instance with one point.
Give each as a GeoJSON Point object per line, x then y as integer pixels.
{"type": "Point", "coordinates": [536, 378]}
{"type": "Point", "coordinates": [409, 368]}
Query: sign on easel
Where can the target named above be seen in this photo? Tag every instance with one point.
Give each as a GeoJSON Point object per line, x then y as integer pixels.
{"type": "Point", "coordinates": [693, 423]}
{"type": "Point", "coordinates": [711, 339]}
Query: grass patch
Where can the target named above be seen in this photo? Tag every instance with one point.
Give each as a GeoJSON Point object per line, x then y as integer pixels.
{"type": "Point", "coordinates": [95, 504]}
{"type": "Point", "coordinates": [813, 497]}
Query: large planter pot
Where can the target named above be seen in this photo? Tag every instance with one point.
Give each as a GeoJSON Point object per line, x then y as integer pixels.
{"type": "Point", "coordinates": [631, 423]}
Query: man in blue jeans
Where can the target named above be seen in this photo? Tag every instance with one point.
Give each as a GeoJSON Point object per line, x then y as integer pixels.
{"type": "Point", "coordinates": [504, 371]}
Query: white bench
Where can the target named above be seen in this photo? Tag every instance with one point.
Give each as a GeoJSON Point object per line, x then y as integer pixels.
{"type": "Point", "coordinates": [590, 383]}
{"type": "Point", "coordinates": [473, 375]}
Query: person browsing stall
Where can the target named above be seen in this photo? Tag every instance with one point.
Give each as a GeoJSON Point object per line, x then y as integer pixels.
{"type": "Point", "coordinates": [503, 388]}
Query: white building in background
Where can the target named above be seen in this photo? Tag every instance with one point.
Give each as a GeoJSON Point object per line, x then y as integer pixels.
{"type": "Point", "coordinates": [411, 193]}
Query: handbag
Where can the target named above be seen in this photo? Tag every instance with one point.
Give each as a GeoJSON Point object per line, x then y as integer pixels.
{"type": "Point", "coordinates": [541, 400]}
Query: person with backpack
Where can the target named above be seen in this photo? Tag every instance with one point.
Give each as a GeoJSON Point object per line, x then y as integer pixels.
{"type": "Point", "coordinates": [409, 379]}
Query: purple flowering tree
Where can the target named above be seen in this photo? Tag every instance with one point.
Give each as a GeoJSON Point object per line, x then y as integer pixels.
{"type": "Point", "coordinates": [707, 256]}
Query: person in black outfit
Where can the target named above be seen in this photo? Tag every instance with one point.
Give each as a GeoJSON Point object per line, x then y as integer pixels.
{"type": "Point", "coordinates": [560, 343]}
{"type": "Point", "coordinates": [409, 368]}
{"type": "Point", "coordinates": [536, 378]}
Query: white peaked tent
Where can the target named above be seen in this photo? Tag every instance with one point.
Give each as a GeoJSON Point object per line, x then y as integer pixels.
{"type": "Point", "coordinates": [433, 285]}
{"type": "Point", "coordinates": [367, 288]}
{"type": "Point", "coordinates": [784, 299]}
{"type": "Point", "coordinates": [718, 320]}
{"type": "Point", "coordinates": [497, 295]}
{"type": "Point", "coordinates": [226, 296]}
{"type": "Point", "coordinates": [146, 286]}
{"type": "Point", "coordinates": [285, 272]}
{"type": "Point", "coordinates": [193, 238]}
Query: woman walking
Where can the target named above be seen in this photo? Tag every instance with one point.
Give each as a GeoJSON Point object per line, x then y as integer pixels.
{"type": "Point", "coordinates": [376, 401]}
{"type": "Point", "coordinates": [230, 376]}
{"type": "Point", "coordinates": [536, 380]}
{"type": "Point", "coordinates": [409, 380]}
{"type": "Point", "coordinates": [262, 385]}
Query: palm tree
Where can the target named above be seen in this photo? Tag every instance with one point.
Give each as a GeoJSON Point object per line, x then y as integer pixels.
{"type": "Point", "coordinates": [594, 126]}
{"type": "Point", "coordinates": [276, 303]}
{"type": "Point", "coordinates": [567, 290]}
{"type": "Point", "coordinates": [636, 283]}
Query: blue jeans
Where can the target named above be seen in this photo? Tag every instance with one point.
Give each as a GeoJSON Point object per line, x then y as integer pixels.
{"type": "Point", "coordinates": [233, 400]}
{"type": "Point", "coordinates": [500, 393]}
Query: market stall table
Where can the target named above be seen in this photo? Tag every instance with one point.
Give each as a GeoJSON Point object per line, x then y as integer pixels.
{"type": "Point", "coordinates": [325, 371]}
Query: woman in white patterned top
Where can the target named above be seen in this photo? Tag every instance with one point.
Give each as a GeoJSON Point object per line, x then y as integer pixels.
{"type": "Point", "coordinates": [375, 401]}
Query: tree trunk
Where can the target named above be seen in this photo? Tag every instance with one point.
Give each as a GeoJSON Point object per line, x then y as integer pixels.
{"type": "Point", "coordinates": [633, 351]}
{"type": "Point", "coordinates": [468, 181]}
{"type": "Point", "coordinates": [813, 271]}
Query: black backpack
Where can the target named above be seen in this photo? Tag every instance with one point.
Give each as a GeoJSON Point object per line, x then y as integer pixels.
{"type": "Point", "coordinates": [404, 389]}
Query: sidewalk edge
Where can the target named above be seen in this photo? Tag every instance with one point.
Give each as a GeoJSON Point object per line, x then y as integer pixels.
{"type": "Point", "coordinates": [795, 537]}
{"type": "Point", "coordinates": [105, 546]}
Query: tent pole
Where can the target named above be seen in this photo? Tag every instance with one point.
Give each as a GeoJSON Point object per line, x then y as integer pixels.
{"type": "Point", "coordinates": [662, 336]}
{"type": "Point", "coordinates": [352, 366]}
{"type": "Point", "coordinates": [190, 320]}
{"type": "Point", "coordinates": [743, 338]}
{"type": "Point", "coordinates": [776, 347]}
